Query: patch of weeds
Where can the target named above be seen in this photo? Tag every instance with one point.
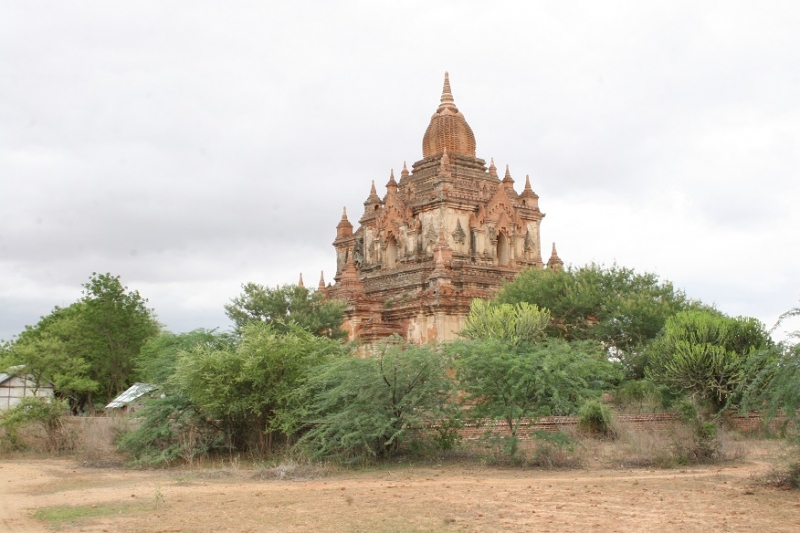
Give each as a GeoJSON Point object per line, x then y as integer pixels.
{"type": "Point", "coordinates": [290, 471]}
{"type": "Point", "coordinates": [554, 450]}
{"type": "Point", "coordinates": [60, 515]}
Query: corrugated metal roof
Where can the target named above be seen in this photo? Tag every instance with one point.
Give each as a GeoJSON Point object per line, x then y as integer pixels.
{"type": "Point", "coordinates": [136, 391]}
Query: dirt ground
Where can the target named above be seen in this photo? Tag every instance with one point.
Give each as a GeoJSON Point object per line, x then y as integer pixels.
{"type": "Point", "coordinates": [453, 497]}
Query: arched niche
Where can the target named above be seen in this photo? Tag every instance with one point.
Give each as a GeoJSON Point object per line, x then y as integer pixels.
{"type": "Point", "coordinates": [503, 250]}
{"type": "Point", "coordinates": [391, 252]}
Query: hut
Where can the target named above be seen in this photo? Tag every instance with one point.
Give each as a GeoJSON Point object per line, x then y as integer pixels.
{"type": "Point", "coordinates": [15, 385]}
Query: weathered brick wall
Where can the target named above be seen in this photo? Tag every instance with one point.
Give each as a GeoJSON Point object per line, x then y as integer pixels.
{"type": "Point", "coordinates": [633, 422]}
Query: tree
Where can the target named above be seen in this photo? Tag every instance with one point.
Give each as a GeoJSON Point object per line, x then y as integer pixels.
{"type": "Point", "coordinates": [284, 306]}
{"type": "Point", "coordinates": [508, 383]}
{"type": "Point", "coordinates": [45, 354]}
{"type": "Point", "coordinates": [225, 392]}
{"type": "Point", "coordinates": [365, 408]}
{"type": "Point", "coordinates": [706, 353]}
{"type": "Point", "coordinates": [773, 376]}
{"type": "Point", "coordinates": [89, 347]}
{"type": "Point", "coordinates": [616, 306]}
{"type": "Point", "coordinates": [249, 389]}
{"type": "Point", "coordinates": [158, 357]}
{"type": "Point", "coordinates": [114, 323]}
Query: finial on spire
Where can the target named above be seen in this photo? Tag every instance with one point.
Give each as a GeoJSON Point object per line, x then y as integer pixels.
{"type": "Point", "coordinates": [321, 280]}
{"type": "Point", "coordinates": [492, 168]}
{"type": "Point", "coordinates": [344, 213]}
{"type": "Point", "coordinates": [372, 190]}
{"type": "Point", "coordinates": [528, 183]}
{"type": "Point", "coordinates": [447, 95]}
{"type": "Point", "coordinates": [300, 283]}
{"type": "Point", "coordinates": [404, 173]}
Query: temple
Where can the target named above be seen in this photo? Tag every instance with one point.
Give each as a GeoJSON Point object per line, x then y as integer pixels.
{"type": "Point", "coordinates": [448, 231]}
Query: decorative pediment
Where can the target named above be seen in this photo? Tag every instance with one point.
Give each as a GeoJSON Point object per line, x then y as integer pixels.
{"type": "Point", "coordinates": [501, 203]}
{"type": "Point", "coordinates": [458, 234]}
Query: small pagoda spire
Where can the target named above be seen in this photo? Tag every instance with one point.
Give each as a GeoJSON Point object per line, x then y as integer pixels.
{"type": "Point", "coordinates": [321, 285]}
{"type": "Point", "coordinates": [492, 168]}
{"type": "Point", "coordinates": [404, 173]}
{"type": "Point", "coordinates": [373, 197]}
{"type": "Point", "coordinates": [300, 283]}
{"type": "Point", "coordinates": [344, 228]}
{"type": "Point", "coordinates": [507, 178]}
{"type": "Point", "coordinates": [447, 95]}
{"type": "Point", "coordinates": [554, 263]}
{"type": "Point", "coordinates": [528, 192]}
{"type": "Point", "coordinates": [392, 182]}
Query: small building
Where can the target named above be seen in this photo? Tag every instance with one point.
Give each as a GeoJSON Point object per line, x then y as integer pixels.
{"type": "Point", "coordinates": [14, 386]}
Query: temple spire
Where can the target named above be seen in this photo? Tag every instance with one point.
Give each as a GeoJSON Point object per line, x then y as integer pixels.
{"type": "Point", "coordinates": [300, 283]}
{"type": "Point", "coordinates": [392, 182]}
{"type": "Point", "coordinates": [555, 263]}
{"type": "Point", "coordinates": [404, 173]}
{"type": "Point", "coordinates": [447, 96]}
{"type": "Point", "coordinates": [373, 197]}
{"type": "Point", "coordinates": [507, 179]}
{"type": "Point", "coordinates": [321, 285]}
{"type": "Point", "coordinates": [492, 168]}
{"type": "Point", "coordinates": [344, 228]}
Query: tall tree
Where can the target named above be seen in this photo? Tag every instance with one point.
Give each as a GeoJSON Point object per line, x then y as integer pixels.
{"type": "Point", "coordinates": [285, 306]}
{"type": "Point", "coordinates": [114, 325]}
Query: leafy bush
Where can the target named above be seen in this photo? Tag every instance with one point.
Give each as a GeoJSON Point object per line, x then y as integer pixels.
{"type": "Point", "coordinates": [503, 382]}
{"type": "Point", "coordinates": [596, 419]}
{"type": "Point", "coordinates": [368, 408]}
{"type": "Point", "coordinates": [170, 430]}
{"type": "Point", "coordinates": [227, 396]}
{"type": "Point", "coordinates": [46, 414]}
{"type": "Point", "coordinates": [644, 396]}
{"type": "Point", "coordinates": [706, 354]}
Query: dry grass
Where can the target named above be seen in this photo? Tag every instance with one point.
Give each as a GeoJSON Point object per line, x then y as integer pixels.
{"type": "Point", "coordinates": [94, 440]}
{"type": "Point", "coordinates": [292, 471]}
{"type": "Point", "coordinates": [678, 444]}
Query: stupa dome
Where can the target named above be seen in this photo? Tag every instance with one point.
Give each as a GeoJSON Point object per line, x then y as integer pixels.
{"type": "Point", "coordinates": [448, 129]}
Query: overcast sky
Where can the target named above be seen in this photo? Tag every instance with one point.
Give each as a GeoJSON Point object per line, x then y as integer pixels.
{"type": "Point", "coordinates": [190, 147]}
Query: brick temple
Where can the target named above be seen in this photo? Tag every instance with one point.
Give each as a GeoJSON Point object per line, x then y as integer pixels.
{"type": "Point", "coordinates": [448, 231]}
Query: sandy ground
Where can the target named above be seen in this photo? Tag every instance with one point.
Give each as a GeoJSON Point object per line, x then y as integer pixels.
{"type": "Point", "coordinates": [453, 497]}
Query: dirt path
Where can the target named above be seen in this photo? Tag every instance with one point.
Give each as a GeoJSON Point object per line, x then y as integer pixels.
{"type": "Point", "coordinates": [450, 498]}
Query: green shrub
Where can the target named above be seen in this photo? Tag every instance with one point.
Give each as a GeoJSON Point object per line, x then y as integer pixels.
{"type": "Point", "coordinates": [44, 413]}
{"type": "Point", "coordinates": [596, 419]}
